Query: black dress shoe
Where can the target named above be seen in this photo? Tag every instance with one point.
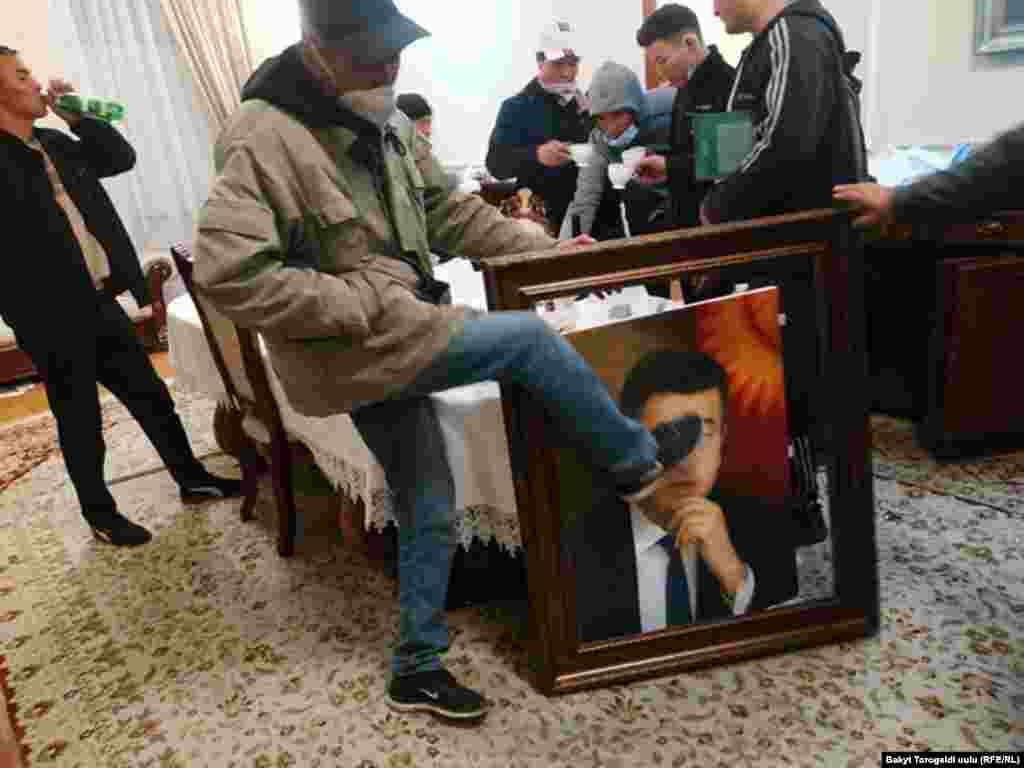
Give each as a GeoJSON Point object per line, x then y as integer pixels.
{"type": "Point", "coordinates": [111, 527]}
{"type": "Point", "coordinates": [206, 486]}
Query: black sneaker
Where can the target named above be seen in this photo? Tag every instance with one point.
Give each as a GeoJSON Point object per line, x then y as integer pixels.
{"type": "Point", "coordinates": [206, 486]}
{"type": "Point", "coordinates": [111, 527]}
{"type": "Point", "coordinates": [676, 440]}
{"type": "Point", "coordinates": [436, 692]}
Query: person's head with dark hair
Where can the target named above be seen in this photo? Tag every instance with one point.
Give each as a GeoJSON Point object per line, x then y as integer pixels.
{"type": "Point", "coordinates": [752, 16]}
{"type": "Point", "coordinates": [355, 46]}
{"type": "Point", "coordinates": [21, 96]}
{"type": "Point", "coordinates": [671, 371]}
{"type": "Point", "coordinates": [672, 35]}
{"type": "Point", "coordinates": [666, 385]}
{"type": "Point", "coordinates": [418, 110]}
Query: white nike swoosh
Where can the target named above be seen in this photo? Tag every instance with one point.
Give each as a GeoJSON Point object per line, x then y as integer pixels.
{"type": "Point", "coordinates": [210, 489]}
{"type": "Point", "coordinates": [430, 694]}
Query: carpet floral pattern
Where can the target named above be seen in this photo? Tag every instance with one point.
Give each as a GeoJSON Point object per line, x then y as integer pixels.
{"type": "Point", "coordinates": [205, 648]}
{"type": "Point", "coordinates": [30, 442]}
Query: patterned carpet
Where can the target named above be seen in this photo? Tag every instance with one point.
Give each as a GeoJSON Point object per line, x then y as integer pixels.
{"type": "Point", "coordinates": [207, 649]}
{"type": "Point", "coordinates": [31, 441]}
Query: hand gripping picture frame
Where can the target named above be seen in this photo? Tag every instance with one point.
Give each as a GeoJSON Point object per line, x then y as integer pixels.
{"type": "Point", "coordinates": [806, 271]}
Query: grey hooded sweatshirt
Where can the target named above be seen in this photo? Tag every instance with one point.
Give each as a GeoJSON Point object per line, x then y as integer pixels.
{"type": "Point", "coordinates": [616, 87]}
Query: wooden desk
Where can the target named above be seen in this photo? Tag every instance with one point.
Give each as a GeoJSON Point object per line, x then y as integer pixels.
{"type": "Point", "coordinates": [945, 325]}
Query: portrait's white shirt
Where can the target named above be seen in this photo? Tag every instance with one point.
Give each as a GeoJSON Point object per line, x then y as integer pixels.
{"type": "Point", "coordinates": [652, 576]}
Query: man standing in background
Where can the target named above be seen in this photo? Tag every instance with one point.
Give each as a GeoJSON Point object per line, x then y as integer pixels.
{"type": "Point", "coordinates": [534, 128]}
{"type": "Point", "coordinates": [704, 80]}
{"type": "Point", "coordinates": [417, 109]}
{"type": "Point", "coordinates": [75, 259]}
{"type": "Point", "coordinates": [791, 79]}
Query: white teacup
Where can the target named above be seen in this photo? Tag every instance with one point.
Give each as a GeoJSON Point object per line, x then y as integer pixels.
{"type": "Point", "coordinates": [619, 174]}
{"type": "Point", "coordinates": [581, 153]}
{"type": "Point", "coordinates": [632, 156]}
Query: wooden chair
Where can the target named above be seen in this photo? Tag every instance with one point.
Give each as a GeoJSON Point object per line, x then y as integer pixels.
{"type": "Point", "coordinates": [266, 445]}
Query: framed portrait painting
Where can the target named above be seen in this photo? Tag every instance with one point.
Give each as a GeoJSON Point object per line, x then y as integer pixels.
{"type": "Point", "coordinates": [999, 26]}
{"type": "Point", "coordinates": [765, 541]}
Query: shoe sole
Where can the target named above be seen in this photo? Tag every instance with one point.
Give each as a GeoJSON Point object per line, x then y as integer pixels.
{"type": "Point", "coordinates": [433, 709]}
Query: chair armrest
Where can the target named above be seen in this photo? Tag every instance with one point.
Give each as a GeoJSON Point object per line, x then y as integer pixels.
{"type": "Point", "coordinates": [158, 270]}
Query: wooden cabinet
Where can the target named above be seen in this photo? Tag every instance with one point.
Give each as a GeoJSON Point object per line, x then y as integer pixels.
{"type": "Point", "coordinates": [945, 308]}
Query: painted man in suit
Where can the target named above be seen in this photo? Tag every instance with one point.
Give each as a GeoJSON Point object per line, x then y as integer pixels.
{"type": "Point", "coordinates": [698, 553]}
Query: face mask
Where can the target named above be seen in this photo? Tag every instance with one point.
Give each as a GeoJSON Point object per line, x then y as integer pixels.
{"type": "Point", "coordinates": [626, 138]}
{"type": "Point", "coordinates": [564, 91]}
{"type": "Point", "coordinates": [376, 105]}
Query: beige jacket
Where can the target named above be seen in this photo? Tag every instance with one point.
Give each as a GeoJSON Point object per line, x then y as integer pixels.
{"type": "Point", "coordinates": [295, 242]}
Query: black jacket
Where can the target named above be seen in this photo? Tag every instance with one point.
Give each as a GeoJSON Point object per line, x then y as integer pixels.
{"type": "Point", "coordinates": [531, 118]}
{"type": "Point", "coordinates": [707, 91]}
{"type": "Point", "coordinates": [606, 578]}
{"type": "Point", "coordinates": [46, 269]}
{"type": "Point", "coordinates": [788, 79]}
{"type": "Point", "coordinates": [991, 179]}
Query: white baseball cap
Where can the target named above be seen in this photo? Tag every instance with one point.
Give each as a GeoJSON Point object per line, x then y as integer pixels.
{"type": "Point", "coordinates": [557, 41]}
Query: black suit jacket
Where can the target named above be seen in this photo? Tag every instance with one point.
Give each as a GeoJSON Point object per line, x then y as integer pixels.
{"type": "Point", "coordinates": [525, 121]}
{"type": "Point", "coordinates": [707, 91]}
{"type": "Point", "coordinates": [606, 577]}
{"type": "Point", "coordinates": [44, 269]}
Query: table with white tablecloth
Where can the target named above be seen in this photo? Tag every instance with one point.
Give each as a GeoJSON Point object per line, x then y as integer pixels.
{"type": "Point", "coordinates": [471, 417]}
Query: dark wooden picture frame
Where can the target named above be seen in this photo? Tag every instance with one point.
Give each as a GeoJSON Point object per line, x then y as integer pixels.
{"type": "Point", "coordinates": [816, 251]}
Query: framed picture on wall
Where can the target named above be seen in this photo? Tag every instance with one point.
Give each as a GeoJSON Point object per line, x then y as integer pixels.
{"type": "Point", "coordinates": [1000, 26]}
{"type": "Point", "coordinates": [612, 597]}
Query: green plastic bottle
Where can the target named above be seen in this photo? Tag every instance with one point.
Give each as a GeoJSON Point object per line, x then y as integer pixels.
{"type": "Point", "coordinates": [109, 111]}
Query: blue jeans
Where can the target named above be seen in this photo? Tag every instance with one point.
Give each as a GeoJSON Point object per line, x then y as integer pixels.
{"type": "Point", "coordinates": [404, 435]}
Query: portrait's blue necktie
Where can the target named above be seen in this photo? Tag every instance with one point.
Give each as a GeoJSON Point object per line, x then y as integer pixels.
{"type": "Point", "coordinates": [677, 591]}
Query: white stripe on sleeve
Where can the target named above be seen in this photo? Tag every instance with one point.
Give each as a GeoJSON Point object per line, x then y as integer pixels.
{"type": "Point", "coordinates": [778, 42]}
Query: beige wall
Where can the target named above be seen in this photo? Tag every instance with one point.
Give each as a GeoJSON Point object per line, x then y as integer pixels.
{"type": "Point", "coordinates": [28, 33]}
{"type": "Point", "coordinates": [923, 82]}
{"type": "Point", "coordinates": [931, 86]}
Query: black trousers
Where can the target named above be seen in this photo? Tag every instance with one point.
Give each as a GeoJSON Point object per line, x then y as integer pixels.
{"type": "Point", "coordinates": [105, 349]}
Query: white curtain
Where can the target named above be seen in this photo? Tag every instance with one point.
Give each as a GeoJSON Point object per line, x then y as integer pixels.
{"type": "Point", "coordinates": [123, 50]}
{"type": "Point", "coordinates": [213, 41]}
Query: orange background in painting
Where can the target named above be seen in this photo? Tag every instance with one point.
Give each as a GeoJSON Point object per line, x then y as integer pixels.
{"type": "Point", "coordinates": [742, 333]}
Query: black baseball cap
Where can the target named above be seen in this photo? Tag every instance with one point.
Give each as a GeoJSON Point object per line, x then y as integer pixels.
{"type": "Point", "coordinates": [375, 25]}
{"type": "Point", "coordinates": [668, 20]}
{"type": "Point", "coordinates": [413, 105]}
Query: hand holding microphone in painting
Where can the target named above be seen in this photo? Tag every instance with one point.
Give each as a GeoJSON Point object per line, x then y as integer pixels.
{"type": "Point", "coordinates": [685, 504]}
{"type": "Point", "coordinates": [701, 529]}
